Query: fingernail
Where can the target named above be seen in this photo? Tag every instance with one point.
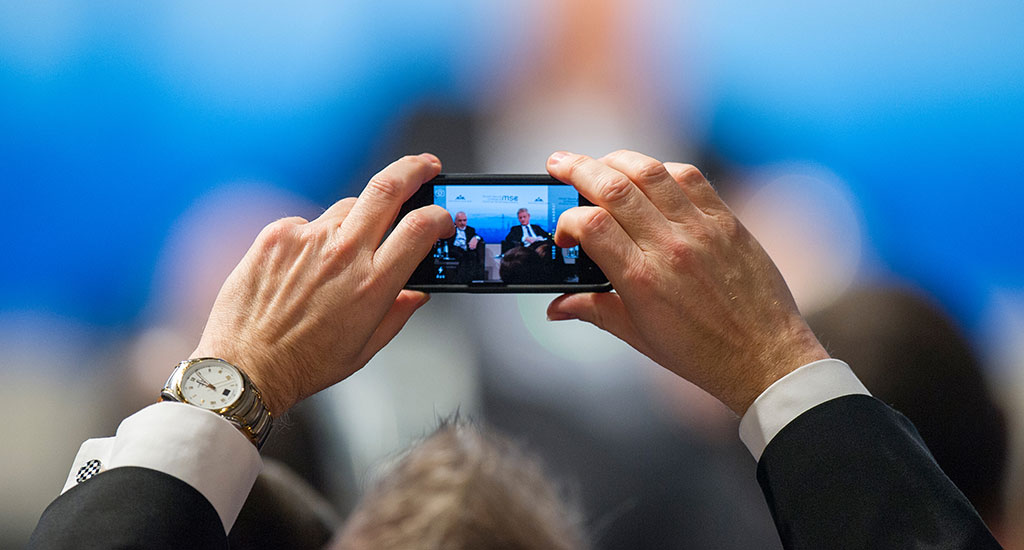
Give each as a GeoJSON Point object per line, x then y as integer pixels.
{"type": "Point", "coordinates": [560, 316]}
{"type": "Point", "coordinates": [557, 157]}
{"type": "Point", "coordinates": [430, 158]}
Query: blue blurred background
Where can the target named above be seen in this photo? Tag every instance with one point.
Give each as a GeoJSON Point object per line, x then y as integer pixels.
{"type": "Point", "coordinates": [127, 129]}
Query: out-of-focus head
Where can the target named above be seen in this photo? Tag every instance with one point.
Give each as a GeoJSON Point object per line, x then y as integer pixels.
{"type": "Point", "coordinates": [523, 265]}
{"type": "Point", "coordinates": [911, 355]}
{"type": "Point", "coordinates": [460, 488]}
{"type": "Point", "coordinates": [524, 216]}
{"type": "Point", "coordinates": [461, 220]}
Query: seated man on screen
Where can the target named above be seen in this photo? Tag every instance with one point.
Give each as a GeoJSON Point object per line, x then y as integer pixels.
{"type": "Point", "coordinates": [312, 301]}
{"type": "Point", "coordinates": [468, 248]}
{"type": "Point", "coordinates": [523, 234]}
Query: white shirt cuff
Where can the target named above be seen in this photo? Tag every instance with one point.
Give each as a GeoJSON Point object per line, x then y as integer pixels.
{"type": "Point", "coordinates": [194, 445]}
{"type": "Point", "coordinates": [793, 395]}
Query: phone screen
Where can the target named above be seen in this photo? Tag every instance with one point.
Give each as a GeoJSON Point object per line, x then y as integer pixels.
{"type": "Point", "coordinates": [504, 237]}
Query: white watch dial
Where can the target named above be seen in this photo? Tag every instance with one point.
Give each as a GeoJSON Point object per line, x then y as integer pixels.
{"type": "Point", "coordinates": [211, 385]}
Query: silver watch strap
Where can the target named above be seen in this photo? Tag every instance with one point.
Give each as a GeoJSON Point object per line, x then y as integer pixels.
{"type": "Point", "coordinates": [251, 415]}
{"type": "Point", "coordinates": [248, 414]}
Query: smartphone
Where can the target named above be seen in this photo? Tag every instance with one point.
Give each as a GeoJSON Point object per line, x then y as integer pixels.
{"type": "Point", "coordinates": [504, 239]}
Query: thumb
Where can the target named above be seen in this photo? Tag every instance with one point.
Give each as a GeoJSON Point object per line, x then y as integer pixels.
{"type": "Point", "coordinates": [407, 302]}
{"type": "Point", "coordinates": [604, 310]}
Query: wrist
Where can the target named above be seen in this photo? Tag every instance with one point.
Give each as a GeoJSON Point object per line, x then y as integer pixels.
{"type": "Point", "coordinates": [796, 347]}
{"type": "Point", "coordinates": [274, 394]}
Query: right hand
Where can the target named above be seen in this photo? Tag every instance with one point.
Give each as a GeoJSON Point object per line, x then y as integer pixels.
{"type": "Point", "coordinates": [694, 290]}
{"type": "Point", "coordinates": [312, 302]}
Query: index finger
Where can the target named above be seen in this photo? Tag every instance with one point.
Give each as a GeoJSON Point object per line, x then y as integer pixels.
{"type": "Point", "coordinates": [613, 191]}
{"type": "Point", "coordinates": [656, 181]}
{"type": "Point", "coordinates": [378, 205]}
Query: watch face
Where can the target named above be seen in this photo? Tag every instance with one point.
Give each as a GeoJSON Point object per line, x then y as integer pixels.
{"type": "Point", "coordinates": [211, 385]}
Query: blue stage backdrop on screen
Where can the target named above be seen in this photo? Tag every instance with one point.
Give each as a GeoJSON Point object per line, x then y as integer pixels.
{"type": "Point", "coordinates": [492, 209]}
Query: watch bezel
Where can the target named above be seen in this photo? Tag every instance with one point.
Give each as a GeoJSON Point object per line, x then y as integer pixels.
{"type": "Point", "coordinates": [235, 400]}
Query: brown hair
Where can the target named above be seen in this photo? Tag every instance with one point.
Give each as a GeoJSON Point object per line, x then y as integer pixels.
{"type": "Point", "coordinates": [464, 487]}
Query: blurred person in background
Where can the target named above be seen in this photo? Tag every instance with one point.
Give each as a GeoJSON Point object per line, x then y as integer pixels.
{"type": "Point", "coordinates": [591, 80]}
{"type": "Point", "coordinates": [465, 487]}
{"type": "Point", "coordinates": [912, 356]}
{"type": "Point", "coordinates": [837, 467]}
{"type": "Point", "coordinates": [534, 263]}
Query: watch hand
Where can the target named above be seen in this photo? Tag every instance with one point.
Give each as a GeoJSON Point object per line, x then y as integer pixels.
{"type": "Point", "coordinates": [204, 382]}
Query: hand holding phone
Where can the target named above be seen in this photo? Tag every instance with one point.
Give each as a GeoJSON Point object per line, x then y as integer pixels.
{"type": "Point", "coordinates": [504, 237]}
{"type": "Point", "coordinates": [694, 290]}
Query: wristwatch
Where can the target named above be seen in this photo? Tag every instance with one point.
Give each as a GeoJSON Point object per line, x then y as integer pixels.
{"type": "Point", "coordinates": [216, 385]}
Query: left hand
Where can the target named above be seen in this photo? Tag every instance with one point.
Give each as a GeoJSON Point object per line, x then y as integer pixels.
{"type": "Point", "coordinates": [312, 302]}
{"type": "Point", "coordinates": [694, 290]}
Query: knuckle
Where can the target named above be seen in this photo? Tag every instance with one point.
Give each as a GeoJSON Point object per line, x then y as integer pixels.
{"type": "Point", "coordinates": [617, 153]}
{"type": "Point", "coordinates": [730, 227]}
{"type": "Point", "coordinates": [278, 232]}
{"type": "Point", "coordinates": [576, 164]}
{"type": "Point", "coordinates": [649, 170]}
{"type": "Point", "coordinates": [597, 221]}
{"type": "Point", "coordinates": [386, 186]}
{"type": "Point", "coordinates": [435, 213]}
{"type": "Point", "coordinates": [679, 254]}
{"type": "Point", "coordinates": [689, 174]}
{"type": "Point", "coordinates": [339, 250]}
{"type": "Point", "coordinates": [294, 220]}
{"type": "Point", "coordinates": [613, 187]}
{"type": "Point", "coordinates": [417, 224]}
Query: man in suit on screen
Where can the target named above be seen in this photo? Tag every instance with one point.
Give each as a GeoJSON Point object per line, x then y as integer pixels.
{"type": "Point", "coordinates": [523, 234]}
{"type": "Point", "coordinates": [468, 248]}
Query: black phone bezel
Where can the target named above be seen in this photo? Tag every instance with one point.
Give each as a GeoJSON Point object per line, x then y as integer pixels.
{"type": "Point", "coordinates": [591, 277]}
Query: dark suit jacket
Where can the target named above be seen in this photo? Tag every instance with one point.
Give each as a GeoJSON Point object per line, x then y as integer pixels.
{"type": "Point", "coordinates": [515, 236]}
{"type": "Point", "coordinates": [849, 473]}
{"type": "Point", "coordinates": [471, 261]}
{"type": "Point", "coordinates": [470, 233]}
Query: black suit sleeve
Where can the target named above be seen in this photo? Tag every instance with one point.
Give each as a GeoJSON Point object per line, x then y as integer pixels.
{"type": "Point", "coordinates": [853, 473]}
{"type": "Point", "coordinates": [130, 508]}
